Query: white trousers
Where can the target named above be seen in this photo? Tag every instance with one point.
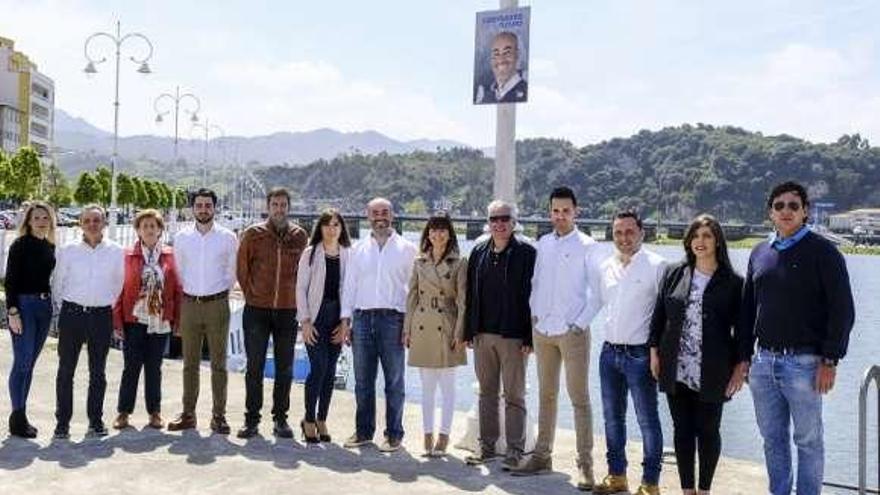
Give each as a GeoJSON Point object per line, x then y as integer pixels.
{"type": "Point", "coordinates": [431, 379]}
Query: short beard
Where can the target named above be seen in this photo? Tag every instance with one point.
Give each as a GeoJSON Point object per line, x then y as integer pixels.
{"type": "Point", "coordinates": [279, 224]}
{"type": "Point", "coordinates": [203, 222]}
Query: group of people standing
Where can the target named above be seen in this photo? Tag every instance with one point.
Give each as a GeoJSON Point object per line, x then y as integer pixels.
{"type": "Point", "coordinates": [688, 329]}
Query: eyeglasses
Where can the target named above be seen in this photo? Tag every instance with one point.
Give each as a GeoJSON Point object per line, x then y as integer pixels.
{"type": "Point", "coordinates": [792, 205]}
{"type": "Point", "coordinates": [499, 218]}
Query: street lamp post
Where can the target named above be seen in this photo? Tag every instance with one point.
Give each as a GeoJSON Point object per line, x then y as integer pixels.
{"type": "Point", "coordinates": [176, 99]}
{"type": "Point", "coordinates": [207, 127]}
{"type": "Point", "coordinates": [118, 39]}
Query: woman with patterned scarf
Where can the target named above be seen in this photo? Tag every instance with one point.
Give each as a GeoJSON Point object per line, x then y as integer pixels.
{"type": "Point", "coordinates": [145, 315]}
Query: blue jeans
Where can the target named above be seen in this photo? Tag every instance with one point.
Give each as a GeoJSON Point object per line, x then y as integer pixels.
{"type": "Point", "coordinates": [376, 338]}
{"type": "Point", "coordinates": [35, 314]}
{"type": "Point", "coordinates": [784, 392]}
{"type": "Point", "coordinates": [625, 369]}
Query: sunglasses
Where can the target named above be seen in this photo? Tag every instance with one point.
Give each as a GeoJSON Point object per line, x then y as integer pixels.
{"type": "Point", "coordinates": [792, 205]}
{"type": "Point", "coordinates": [499, 218]}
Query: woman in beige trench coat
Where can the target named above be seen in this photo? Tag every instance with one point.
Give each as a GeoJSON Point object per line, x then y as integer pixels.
{"type": "Point", "coordinates": [434, 324]}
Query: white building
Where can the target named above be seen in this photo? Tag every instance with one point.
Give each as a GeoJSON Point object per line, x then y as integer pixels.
{"type": "Point", "coordinates": [861, 221]}
{"type": "Point", "coordinates": [27, 103]}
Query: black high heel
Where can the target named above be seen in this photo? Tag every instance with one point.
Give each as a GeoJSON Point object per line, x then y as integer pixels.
{"type": "Point", "coordinates": [308, 439]}
{"type": "Point", "coordinates": [324, 437]}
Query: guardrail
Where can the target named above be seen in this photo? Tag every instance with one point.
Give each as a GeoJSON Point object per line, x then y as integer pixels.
{"type": "Point", "coordinates": [871, 374]}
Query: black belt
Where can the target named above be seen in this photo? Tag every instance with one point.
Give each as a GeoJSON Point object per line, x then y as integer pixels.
{"type": "Point", "coordinates": [627, 347]}
{"type": "Point", "coordinates": [211, 297]}
{"type": "Point", "coordinates": [378, 311]}
{"type": "Point", "coordinates": [789, 350]}
{"type": "Point", "coordinates": [39, 295]}
{"type": "Point", "coordinates": [72, 306]}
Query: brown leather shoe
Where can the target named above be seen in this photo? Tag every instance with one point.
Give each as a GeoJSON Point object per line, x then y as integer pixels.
{"type": "Point", "coordinates": [185, 421]}
{"type": "Point", "coordinates": [440, 446]}
{"type": "Point", "coordinates": [219, 425]}
{"type": "Point", "coordinates": [156, 421]}
{"type": "Point", "coordinates": [121, 422]}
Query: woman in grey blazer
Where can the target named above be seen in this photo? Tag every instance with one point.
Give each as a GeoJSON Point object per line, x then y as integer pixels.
{"type": "Point", "coordinates": [318, 293]}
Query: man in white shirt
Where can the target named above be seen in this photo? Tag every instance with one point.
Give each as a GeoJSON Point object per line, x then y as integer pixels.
{"type": "Point", "coordinates": [629, 282]}
{"type": "Point", "coordinates": [87, 281]}
{"type": "Point", "coordinates": [206, 261]}
{"type": "Point", "coordinates": [373, 303]}
{"type": "Point", "coordinates": [564, 300]}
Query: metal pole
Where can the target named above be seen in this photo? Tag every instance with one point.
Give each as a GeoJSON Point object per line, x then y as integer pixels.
{"type": "Point", "coordinates": [112, 223]}
{"type": "Point", "coordinates": [176, 138]}
{"type": "Point", "coordinates": [872, 374]}
{"type": "Point", "coordinates": [205, 158]}
{"type": "Point", "coordinates": [505, 143]}
{"type": "Point", "coordinates": [176, 113]}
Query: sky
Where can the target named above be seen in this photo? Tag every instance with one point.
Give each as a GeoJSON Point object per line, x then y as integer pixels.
{"type": "Point", "coordinates": [598, 69]}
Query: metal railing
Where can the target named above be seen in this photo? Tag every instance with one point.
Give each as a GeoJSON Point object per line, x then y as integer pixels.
{"type": "Point", "coordinates": [871, 374]}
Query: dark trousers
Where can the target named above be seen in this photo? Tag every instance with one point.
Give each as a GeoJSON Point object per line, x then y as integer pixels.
{"type": "Point", "coordinates": [36, 314]}
{"type": "Point", "coordinates": [697, 428]}
{"type": "Point", "coordinates": [77, 326]}
{"type": "Point", "coordinates": [322, 363]}
{"type": "Point", "coordinates": [259, 324]}
{"type": "Point", "coordinates": [141, 350]}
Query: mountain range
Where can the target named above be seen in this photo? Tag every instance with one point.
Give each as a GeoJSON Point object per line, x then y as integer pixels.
{"type": "Point", "coordinates": [80, 143]}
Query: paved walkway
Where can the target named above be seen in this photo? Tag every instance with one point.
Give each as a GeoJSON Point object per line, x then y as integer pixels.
{"type": "Point", "coordinates": [143, 461]}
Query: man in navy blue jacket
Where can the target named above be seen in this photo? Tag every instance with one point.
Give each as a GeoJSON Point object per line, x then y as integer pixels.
{"type": "Point", "coordinates": [798, 304]}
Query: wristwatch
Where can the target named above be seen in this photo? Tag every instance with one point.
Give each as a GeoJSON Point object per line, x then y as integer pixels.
{"type": "Point", "coordinates": [830, 362]}
{"type": "Point", "coordinates": [12, 311]}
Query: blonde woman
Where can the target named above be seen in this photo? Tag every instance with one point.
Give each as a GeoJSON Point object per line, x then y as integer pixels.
{"type": "Point", "coordinates": [29, 305]}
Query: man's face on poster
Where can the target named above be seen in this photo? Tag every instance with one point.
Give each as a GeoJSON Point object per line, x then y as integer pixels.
{"type": "Point", "coordinates": [504, 56]}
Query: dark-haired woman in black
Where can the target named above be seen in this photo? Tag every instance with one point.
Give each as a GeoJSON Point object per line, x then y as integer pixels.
{"type": "Point", "coordinates": [694, 350]}
{"type": "Point", "coordinates": [318, 295]}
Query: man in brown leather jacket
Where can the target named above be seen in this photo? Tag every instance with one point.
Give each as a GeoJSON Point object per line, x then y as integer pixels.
{"type": "Point", "coordinates": [267, 264]}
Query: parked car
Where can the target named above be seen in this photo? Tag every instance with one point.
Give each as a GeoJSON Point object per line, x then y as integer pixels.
{"type": "Point", "coordinates": [7, 220]}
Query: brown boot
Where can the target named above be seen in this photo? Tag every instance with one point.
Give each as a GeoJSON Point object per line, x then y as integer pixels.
{"type": "Point", "coordinates": [429, 444]}
{"type": "Point", "coordinates": [219, 425]}
{"type": "Point", "coordinates": [121, 422]}
{"type": "Point", "coordinates": [156, 421]}
{"type": "Point", "coordinates": [186, 421]}
{"type": "Point", "coordinates": [440, 446]}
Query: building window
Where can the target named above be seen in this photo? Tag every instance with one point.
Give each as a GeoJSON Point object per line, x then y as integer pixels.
{"type": "Point", "coordinates": [40, 130]}
{"type": "Point", "coordinates": [40, 111]}
{"type": "Point", "coordinates": [40, 91]}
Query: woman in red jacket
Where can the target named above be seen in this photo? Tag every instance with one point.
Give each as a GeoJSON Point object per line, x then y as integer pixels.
{"type": "Point", "coordinates": [145, 315]}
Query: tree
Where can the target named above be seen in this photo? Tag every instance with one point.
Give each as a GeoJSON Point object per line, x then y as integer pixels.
{"type": "Point", "coordinates": [140, 197]}
{"type": "Point", "coordinates": [152, 194]}
{"type": "Point", "coordinates": [23, 174]}
{"type": "Point", "coordinates": [88, 189]}
{"type": "Point", "coordinates": [182, 197]}
{"type": "Point", "coordinates": [125, 190]}
{"type": "Point", "coordinates": [165, 194]}
{"type": "Point", "coordinates": [57, 189]}
{"type": "Point", "coordinates": [102, 175]}
{"type": "Point", "coordinates": [4, 173]}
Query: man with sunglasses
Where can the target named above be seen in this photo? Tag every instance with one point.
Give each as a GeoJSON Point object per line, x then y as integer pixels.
{"type": "Point", "coordinates": [498, 326]}
{"type": "Point", "coordinates": [798, 305]}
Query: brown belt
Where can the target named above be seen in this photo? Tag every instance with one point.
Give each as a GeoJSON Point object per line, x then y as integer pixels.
{"type": "Point", "coordinates": [208, 298]}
